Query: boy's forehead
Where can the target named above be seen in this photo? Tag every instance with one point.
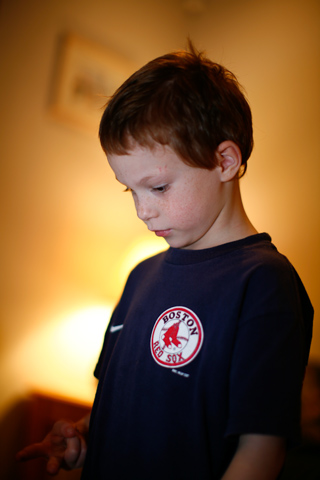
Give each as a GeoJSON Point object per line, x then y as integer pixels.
{"type": "Point", "coordinates": [143, 163]}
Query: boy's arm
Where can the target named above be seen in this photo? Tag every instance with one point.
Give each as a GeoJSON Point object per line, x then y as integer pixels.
{"type": "Point", "coordinates": [258, 457]}
{"type": "Point", "coordinates": [65, 446]}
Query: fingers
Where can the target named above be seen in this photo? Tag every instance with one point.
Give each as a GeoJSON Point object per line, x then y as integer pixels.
{"type": "Point", "coordinates": [64, 447]}
{"type": "Point", "coordinates": [64, 428]}
{"type": "Point", "coordinates": [32, 451]}
{"type": "Point", "coordinates": [54, 465]}
{"type": "Point", "coordinates": [53, 442]}
{"type": "Point", "coordinates": [75, 452]}
{"type": "Point", "coordinates": [72, 451]}
{"type": "Point", "coordinates": [39, 450]}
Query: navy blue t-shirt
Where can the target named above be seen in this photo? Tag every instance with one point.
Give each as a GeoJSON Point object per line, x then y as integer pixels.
{"type": "Point", "coordinates": [204, 345]}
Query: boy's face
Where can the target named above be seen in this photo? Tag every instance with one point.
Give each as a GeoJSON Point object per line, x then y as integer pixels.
{"type": "Point", "coordinates": [183, 204]}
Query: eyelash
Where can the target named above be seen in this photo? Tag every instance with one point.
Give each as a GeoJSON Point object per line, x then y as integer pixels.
{"type": "Point", "coordinates": [160, 189]}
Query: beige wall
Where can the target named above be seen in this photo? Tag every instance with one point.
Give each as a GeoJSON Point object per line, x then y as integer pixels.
{"type": "Point", "coordinates": [67, 229]}
{"type": "Point", "coordinates": [274, 48]}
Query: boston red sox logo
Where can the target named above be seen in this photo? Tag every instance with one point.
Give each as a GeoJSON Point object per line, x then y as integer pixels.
{"type": "Point", "coordinates": [176, 337]}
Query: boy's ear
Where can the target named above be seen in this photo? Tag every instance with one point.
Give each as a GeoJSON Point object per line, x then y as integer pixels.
{"type": "Point", "coordinates": [229, 160]}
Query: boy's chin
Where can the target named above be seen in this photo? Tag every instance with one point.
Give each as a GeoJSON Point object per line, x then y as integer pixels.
{"type": "Point", "coordinates": [179, 244]}
{"type": "Point", "coordinates": [172, 243]}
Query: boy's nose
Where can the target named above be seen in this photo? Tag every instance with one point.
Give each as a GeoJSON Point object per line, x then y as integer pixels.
{"type": "Point", "coordinates": [145, 210]}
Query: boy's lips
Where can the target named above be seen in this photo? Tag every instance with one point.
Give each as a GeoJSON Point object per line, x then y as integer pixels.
{"type": "Point", "coordinates": [162, 233]}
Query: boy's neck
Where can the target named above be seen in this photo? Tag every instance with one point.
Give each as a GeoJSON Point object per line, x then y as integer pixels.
{"type": "Point", "coordinates": [233, 224]}
{"type": "Point", "coordinates": [237, 224]}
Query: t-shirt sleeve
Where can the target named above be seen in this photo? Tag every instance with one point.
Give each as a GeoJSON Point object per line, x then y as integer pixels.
{"type": "Point", "coordinates": [115, 325]}
{"type": "Point", "coordinates": [110, 339]}
{"type": "Point", "coordinates": [271, 348]}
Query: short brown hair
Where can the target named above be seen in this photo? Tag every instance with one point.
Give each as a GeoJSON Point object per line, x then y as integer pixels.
{"type": "Point", "coordinates": [183, 100]}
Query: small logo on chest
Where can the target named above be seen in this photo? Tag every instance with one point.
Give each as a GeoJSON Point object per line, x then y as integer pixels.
{"type": "Point", "coordinates": [176, 337]}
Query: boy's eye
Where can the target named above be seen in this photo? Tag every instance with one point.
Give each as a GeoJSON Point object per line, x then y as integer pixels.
{"type": "Point", "coordinates": [127, 189]}
{"type": "Point", "coordinates": [160, 188]}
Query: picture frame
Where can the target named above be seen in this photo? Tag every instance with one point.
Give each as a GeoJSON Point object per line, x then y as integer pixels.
{"type": "Point", "coordinates": [87, 74]}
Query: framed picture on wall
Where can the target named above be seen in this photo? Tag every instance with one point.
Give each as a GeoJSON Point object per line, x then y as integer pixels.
{"type": "Point", "coordinates": [86, 75]}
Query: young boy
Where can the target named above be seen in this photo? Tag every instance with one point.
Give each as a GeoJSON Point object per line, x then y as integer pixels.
{"type": "Point", "coordinates": [201, 370]}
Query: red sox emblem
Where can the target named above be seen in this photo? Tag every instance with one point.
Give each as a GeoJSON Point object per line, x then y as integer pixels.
{"type": "Point", "coordinates": [176, 337]}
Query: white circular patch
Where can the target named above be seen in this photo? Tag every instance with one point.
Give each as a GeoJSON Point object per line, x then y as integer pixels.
{"type": "Point", "coordinates": [176, 337]}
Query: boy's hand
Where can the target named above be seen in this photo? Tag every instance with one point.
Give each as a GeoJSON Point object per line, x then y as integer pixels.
{"type": "Point", "coordinates": [64, 447]}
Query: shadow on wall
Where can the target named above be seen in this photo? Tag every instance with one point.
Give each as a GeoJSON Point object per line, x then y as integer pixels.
{"type": "Point", "coordinates": [29, 421]}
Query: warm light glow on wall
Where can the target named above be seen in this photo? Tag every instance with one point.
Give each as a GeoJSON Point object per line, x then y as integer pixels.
{"type": "Point", "coordinates": [59, 358]}
{"type": "Point", "coordinates": [141, 248]}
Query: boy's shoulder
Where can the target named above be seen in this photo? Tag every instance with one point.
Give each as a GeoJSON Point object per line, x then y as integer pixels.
{"type": "Point", "coordinates": [263, 263]}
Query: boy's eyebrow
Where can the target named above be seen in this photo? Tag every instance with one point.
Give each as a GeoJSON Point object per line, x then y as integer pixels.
{"type": "Point", "coordinates": [146, 179]}
{"type": "Point", "coordinates": [142, 180]}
